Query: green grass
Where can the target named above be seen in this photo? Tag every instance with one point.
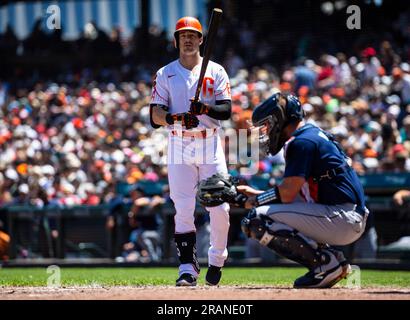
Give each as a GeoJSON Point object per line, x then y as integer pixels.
{"type": "Point", "coordinates": [166, 276]}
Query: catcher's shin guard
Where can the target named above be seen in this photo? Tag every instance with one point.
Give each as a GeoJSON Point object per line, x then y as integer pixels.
{"type": "Point", "coordinates": [186, 249]}
{"type": "Point", "coordinates": [284, 240]}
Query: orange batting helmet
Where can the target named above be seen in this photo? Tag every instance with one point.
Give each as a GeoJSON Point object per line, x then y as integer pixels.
{"type": "Point", "coordinates": [188, 23]}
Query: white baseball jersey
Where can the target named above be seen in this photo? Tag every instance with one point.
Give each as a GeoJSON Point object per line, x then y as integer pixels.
{"type": "Point", "coordinates": [193, 159]}
{"type": "Point", "coordinates": [175, 85]}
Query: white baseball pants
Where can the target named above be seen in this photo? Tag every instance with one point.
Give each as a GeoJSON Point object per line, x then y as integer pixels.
{"type": "Point", "coordinates": [189, 161]}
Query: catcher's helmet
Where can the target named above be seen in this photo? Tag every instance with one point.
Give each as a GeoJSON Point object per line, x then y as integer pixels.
{"type": "Point", "coordinates": [188, 23]}
{"type": "Point", "coordinates": [272, 116]}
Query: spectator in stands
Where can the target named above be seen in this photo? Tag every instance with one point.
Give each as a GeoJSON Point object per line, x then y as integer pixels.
{"type": "Point", "coordinates": [401, 197]}
{"type": "Point", "coordinates": [343, 72]}
{"type": "Point", "coordinates": [233, 62]}
{"type": "Point", "coordinates": [388, 57]}
{"type": "Point", "coordinates": [401, 85]}
{"type": "Point", "coordinates": [405, 129]}
{"type": "Point", "coordinates": [370, 64]}
{"type": "Point", "coordinates": [304, 76]}
{"type": "Point", "coordinates": [145, 239]}
{"type": "Point", "coordinates": [326, 78]}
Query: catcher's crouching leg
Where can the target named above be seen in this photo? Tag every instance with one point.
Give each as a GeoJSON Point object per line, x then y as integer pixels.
{"type": "Point", "coordinates": [281, 238]}
{"type": "Point", "coordinates": [324, 268]}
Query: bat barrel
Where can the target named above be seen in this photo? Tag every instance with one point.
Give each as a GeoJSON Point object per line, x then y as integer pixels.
{"type": "Point", "coordinates": [209, 44]}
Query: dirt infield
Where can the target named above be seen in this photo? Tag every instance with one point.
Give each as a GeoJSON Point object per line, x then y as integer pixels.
{"type": "Point", "coordinates": [200, 293]}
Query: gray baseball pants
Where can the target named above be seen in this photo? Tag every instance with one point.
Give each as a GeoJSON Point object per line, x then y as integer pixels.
{"type": "Point", "coordinates": [326, 224]}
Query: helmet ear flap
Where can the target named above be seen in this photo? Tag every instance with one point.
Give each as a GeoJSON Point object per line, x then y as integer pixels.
{"type": "Point", "coordinates": [176, 40]}
{"type": "Point", "coordinates": [294, 109]}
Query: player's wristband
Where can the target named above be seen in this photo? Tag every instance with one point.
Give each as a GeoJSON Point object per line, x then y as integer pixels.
{"type": "Point", "coordinates": [221, 111]}
{"type": "Point", "coordinates": [268, 197]}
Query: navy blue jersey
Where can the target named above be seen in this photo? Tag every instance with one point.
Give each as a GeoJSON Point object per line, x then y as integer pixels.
{"type": "Point", "coordinates": [310, 154]}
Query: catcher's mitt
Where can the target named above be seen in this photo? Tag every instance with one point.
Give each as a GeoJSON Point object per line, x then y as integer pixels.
{"type": "Point", "coordinates": [219, 188]}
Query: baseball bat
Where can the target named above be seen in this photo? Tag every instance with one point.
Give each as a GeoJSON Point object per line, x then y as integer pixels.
{"type": "Point", "coordinates": [209, 44]}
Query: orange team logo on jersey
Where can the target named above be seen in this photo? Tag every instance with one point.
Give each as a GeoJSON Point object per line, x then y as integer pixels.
{"type": "Point", "coordinates": [208, 87]}
{"type": "Point", "coordinates": [228, 88]}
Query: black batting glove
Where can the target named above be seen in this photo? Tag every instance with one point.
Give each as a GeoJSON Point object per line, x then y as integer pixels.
{"type": "Point", "coordinates": [186, 119]}
{"type": "Point", "coordinates": [198, 108]}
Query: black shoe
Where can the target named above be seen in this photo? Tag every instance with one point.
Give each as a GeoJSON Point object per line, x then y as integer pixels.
{"type": "Point", "coordinates": [186, 280]}
{"type": "Point", "coordinates": [325, 276]}
{"type": "Point", "coordinates": [347, 269]}
{"type": "Point", "coordinates": [213, 275]}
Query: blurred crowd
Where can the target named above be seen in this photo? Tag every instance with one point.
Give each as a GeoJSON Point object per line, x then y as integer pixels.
{"type": "Point", "coordinates": [72, 139]}
{"type": "Point", "coordinates": [71, 145]}
{"type": "Point", "coordinates": [363, 100]}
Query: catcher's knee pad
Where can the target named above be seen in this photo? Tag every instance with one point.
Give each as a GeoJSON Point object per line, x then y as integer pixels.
{"type": "Point", "coordinates": [186, 249]}
{"type": "Point", "coordinates": [283, 239]}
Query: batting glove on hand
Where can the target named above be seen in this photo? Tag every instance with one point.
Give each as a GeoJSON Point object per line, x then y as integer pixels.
{"type": "Point", "coordinates": [198, 107]}
{"type": "Point", "coordinates": [186, 119]}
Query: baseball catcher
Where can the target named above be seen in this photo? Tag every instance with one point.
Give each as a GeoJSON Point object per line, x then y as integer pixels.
{"type": "Point", "coordinates": [319, 204]}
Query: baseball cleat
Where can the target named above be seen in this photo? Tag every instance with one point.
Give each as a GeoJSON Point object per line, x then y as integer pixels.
{"type": "Point", "coordinates": [213, 275]}
{"type": "Point", "coordinates": [186, 280]}
{"type": "Point", "coordinates": [325, 276]}
{"type": "Point", "coordinates": [325, 279]}
{"type": "Point", "coordinates": [347, 269]}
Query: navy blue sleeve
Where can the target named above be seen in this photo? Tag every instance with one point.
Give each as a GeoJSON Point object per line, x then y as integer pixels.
{"type": "Point", "coordinates": [299, 158]}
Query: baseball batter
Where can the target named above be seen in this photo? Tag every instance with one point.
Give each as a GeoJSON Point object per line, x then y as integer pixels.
{"type": "Point", "coordinates": [194, 147]}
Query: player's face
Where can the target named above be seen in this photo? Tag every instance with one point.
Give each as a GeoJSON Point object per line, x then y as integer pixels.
{"type": "Point", "coordinates": [189, 42]}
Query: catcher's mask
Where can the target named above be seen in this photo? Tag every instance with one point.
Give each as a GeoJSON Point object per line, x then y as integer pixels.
{"type": "Point", "coordinates": [272, 116]}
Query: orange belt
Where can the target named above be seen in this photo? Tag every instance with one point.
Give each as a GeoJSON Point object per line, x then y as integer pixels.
{"type": "Point", "coordinates": [194, 134]}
